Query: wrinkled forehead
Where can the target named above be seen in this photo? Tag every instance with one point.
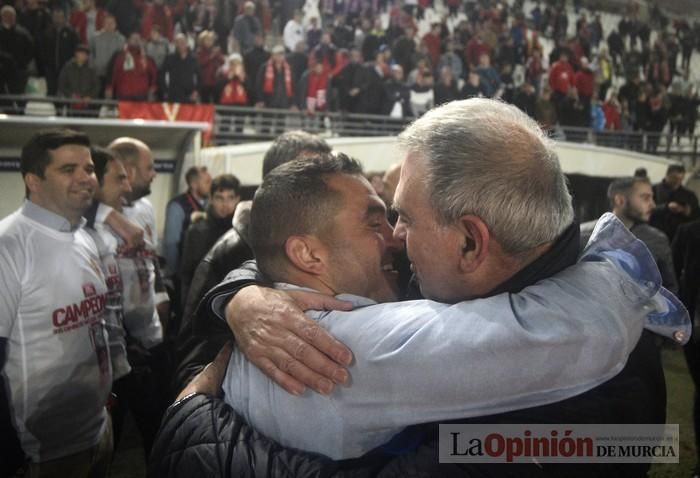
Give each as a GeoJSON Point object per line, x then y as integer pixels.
{"type": "Point", "coordinates": [412, 179]}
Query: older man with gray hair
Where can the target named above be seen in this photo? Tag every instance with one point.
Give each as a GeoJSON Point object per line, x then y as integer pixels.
{"type": "Point", "coordinates": [527, 314]}
{"type": "Point", "coordinates": [246, 26]}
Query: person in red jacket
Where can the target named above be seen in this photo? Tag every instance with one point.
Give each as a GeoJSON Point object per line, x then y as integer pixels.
{"type": "Point", "coordinates": [432, 42]}
{"type": "Point", "coordinates": [584, 82]}
{"type": "Point", "coordinates": [209, 59]}
{"type": "Point", "coordinates": [134, 75]}
{"type": "Point", "coordinates": [475, 48]}
{"type": "Point", "coordinates": [233, 93]}
{"type": "Point", "coordinates": [88, 21]}
{"type": "Point", "coordinates": [327, 54]}
{"type": "Point", "coordinates": [157, 13]}
{"type": "Point", "coordinates": [612, 109]}
{"type": "Point", "coordinates": [561, 78]}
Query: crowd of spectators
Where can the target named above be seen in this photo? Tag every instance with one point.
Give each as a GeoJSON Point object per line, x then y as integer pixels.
{"type": "Point", "coordinates": [343, 56]}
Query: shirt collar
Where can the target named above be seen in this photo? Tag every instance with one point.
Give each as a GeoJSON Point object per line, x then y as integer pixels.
{"type": "Point", "coordinates": [48, 218]}
{"type": "Point", "coordinates": [356, 300]}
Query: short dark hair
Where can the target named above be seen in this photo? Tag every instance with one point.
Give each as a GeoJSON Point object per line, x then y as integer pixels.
{"type": "Point", "coordinates": [624, 186]}
{"type": "Point", "coordinates": [101, 157]}
{"type": "Point", "coordinates": [294, 199]}
{"type": "Point", "coordinates": [675, 168]}
{"type": "Point", "coordinates": [193, 172]}
{"type": "Point", "coordinates": [35, 154]}
{"type": "Point", "coordinates": [225, 182]}
{"type": "Point", "coordinates": [288, 146]}
{"type": "Point", "coordinates": [640, 173]}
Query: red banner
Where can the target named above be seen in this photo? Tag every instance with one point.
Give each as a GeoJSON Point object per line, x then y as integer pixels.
{"type": "Point", "coordinates": [169, 112]}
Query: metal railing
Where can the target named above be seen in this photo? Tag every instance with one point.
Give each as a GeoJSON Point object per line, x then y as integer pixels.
{"type": "Point", "coordinates": [235, 125]}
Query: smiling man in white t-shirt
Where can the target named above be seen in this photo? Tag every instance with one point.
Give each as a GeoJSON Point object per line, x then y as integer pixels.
{"type": "Point", "coordinates": [54, 356]}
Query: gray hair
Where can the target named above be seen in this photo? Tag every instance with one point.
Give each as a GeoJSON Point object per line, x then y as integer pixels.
{"type": "Point", "coordinates": [489, 159]}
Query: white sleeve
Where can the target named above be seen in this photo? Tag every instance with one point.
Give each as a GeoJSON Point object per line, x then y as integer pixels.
{"type": "Point", "coordinates": [423, 361]}
{"type": "Point", "coordinates": [10, 288]}
{"type": "Point", "coordinates": [103, 211]}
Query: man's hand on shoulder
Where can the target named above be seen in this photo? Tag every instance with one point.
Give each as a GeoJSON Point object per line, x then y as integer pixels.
{"type": "Point", "coordinates": [293, 350]}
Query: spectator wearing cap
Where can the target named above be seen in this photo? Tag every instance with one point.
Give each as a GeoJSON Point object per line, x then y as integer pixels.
{"type": "Point", "coordinates": [77, 79]}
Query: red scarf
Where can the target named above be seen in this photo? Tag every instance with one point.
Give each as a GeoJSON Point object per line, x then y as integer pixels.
{"type": "Point", "coordinates": [233, 94]}
{"type": "Point", "coordinates": [268, 86]}
{"type": "Point", "coordinates": [317, 89]}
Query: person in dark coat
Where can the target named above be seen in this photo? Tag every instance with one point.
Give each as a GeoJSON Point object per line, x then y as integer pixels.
{"type": "Point", "coordinates": [526, 99]}
{"type": "Point", "coordinates": [57, 45]}
{"type": "Point", "coordinates": [632, 201]}
{"type": "Point", "coordinates": [36, 19]}
{"type": "Point", "coordinates": [253, 59]}
{"type": "Point", "coordinates": [445, 90]}
{"type": "Point", "coordinates": [179, 76]}
{"type": "Point", "coordinates": [675, 204]}
{"type": "Point", "coordinates": [368, 88]}
{"type": "Point", "coordinates": [201, 235]}
{"type": "Point", "coordinates": [686, 258]}
{"type": "Point", "coordinates": [342, 83]}
{"type": "Point", "coordinates": [397, 95]}
{"type": "Point", "coordinates": [16, 41]}
{"type": "Point", "coordinates": [78, 79]}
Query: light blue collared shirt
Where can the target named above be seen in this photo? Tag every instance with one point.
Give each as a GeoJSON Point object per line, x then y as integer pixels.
{"type": "Point", "coordinates": [48, 218]}
{"type": "Point", "coordinates": [423, 361]}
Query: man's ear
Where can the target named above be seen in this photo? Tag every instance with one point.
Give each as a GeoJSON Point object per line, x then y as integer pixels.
{"type": "Point", "coordinates": [475, 241]}
{"type": "Point", "coordinates": [32, 182]}
{"type": "Point", "coordinates": [307, 253]}
{"type": "Point", "coordinates": [619, 200]}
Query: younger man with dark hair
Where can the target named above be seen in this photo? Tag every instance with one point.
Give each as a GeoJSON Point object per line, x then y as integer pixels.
{"type": "Point", "coordinates": [54, 357]}
{"type": "Point", "coordinates": [631, 200]}
{"type": "Point", "coordinates": [201, 235]}
{"type": "Point", "coordinates": [675, 204]}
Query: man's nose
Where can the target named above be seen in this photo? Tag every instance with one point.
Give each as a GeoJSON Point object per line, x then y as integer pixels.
{"type": "Point", "coordinates": [393, 242]}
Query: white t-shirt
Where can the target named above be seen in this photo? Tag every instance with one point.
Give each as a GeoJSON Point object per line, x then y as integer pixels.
{"type": "Point", "coordinates": [114, 308]}
{"type": "Point", "coordinates": [141, 213]}
{"type": "Point", "coordinates": [52, 309]}
{"type": "Point", "coordinates": [138, 283]}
